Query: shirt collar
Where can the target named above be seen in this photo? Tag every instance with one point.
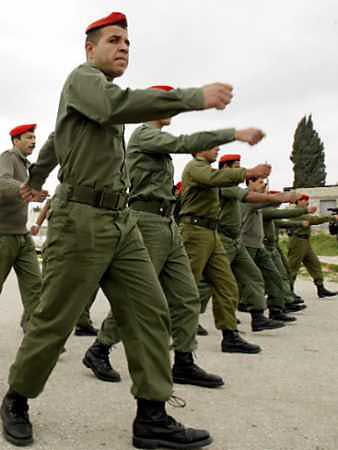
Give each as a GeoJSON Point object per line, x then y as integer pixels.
{"type": "Point", "coordinates": [20, 155]}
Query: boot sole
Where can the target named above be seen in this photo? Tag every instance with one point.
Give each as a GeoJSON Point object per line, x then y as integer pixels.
{"type": "Point", "coordinates": [268, 328]}
{"type": "Point", "coordinates": [84, 333]}
{"type": "Point", "coordinates": [160, 443]}
{"type": "Point", "coordinates": [242, 350]}
{"type": "Point", "coordinates": [197, 383]}
{"type": "Point", "coordinates": [15, 441]}
{"type": "Point", "coordinates": [91, 366]}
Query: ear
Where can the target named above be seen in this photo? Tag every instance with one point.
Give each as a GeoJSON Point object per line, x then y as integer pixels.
{"type": "Point", "coordinates": [90, 49]}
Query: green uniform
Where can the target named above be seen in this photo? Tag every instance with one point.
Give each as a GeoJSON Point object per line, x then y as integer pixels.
{"type": "Point", "coordinates": [300, 250]}
{"type": "Point", "coordinates": [16, 245]}
{"type": "Point", "coordinates": [199, 214]}
{"type": "Point", "coordinates": [271, 243]}
{"type": "Point", "coordinates": [94, 240]}
{"type": "Point", "coordinates": [152, 200]}
{"type": "Point", "coordinates": [252, 235]}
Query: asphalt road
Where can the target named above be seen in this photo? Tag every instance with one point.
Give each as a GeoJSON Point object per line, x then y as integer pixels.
{"type": "Point", "coordinates": [285, 398]}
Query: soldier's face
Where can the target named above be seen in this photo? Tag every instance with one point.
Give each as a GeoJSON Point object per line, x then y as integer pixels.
{"type": "Point", "coordinates": [258, 186]}
{"type": "Point", "coordinates": [111, 53]}
{"type": "Point", "coordinates": [210, 155]}
{"type": "Point", "coordinates": [25, 143]}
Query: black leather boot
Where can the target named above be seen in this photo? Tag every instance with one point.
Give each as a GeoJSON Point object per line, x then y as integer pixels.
{"type": "Point", "coordinates": [201, 331]}
{"type": "Point", "coordinates": [323, 292]}
{"type": "Point", "coordinates": [17, 428]}
{"type": "Point", "coordinates": [153, 428]}
{"type": "Point", "coordinates": [232, 342]}
{"type": "Point", "coordinates": [294, 307]}
{"type": "Point", "coordinates": [259, 322]}
{"type": "Point", "coordinates": [278, 314]}
{"type": "Point", "coordinates": [97, 359]}
{"type": "Point", "coordinates": [87, 330]}
{"type": "Point", "coordinates": [186, 372]}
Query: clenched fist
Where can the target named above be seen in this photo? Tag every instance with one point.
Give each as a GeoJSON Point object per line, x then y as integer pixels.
{"type": "Point", "coordinates": [217, 95]}
{"type": "Point", "coordinates": [260, 171]}
{"type": "Point", "coordinates": [311, 209]}
{"type": "Point", "coordinates": [250, 135]}
{"type": "Point", "coordinates": [31, 195]}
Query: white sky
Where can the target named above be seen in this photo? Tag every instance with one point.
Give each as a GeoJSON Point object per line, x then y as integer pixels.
{"type": "Point", "coordinates": [280, 56]}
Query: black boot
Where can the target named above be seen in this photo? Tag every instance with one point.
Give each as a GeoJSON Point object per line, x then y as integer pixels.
{"type": "Point", "coordinates": [232, 342]}
{"type": "Point", "coordinates": [17, 428]}
{"type": "Point", "coordinates": [97, 359]}
{"type": "Point", "coordinates": [259, 322]}
{"type": "Point", "coordinates": [87, 330]}
{"type": "Point", "coordinates": [186, 372]}
{"type": "Point", "coordinates": [298, 299]}
{"type": "Point", "coordinates": [294, 307]}
{"type": "Point", "coordinates": [201, 331]}
{"type": "Point", "coordinates": [242, 307]}
{"type": "Point", "coordinates": [278, 314]}
{"type": "Point", "coordinates": [323, 292]}
{"type": "Point", "coordinates": [153, 428]}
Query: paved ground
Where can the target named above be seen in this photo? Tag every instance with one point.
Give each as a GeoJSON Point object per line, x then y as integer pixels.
{"type": "Point", "coordinates": [286, 398]}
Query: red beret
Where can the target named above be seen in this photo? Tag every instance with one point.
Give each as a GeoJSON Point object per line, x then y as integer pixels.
{"type": "Point", "coordinates": [226, 158]}
{"type": "Point", "coordinates": [179, 186]}
{"type": "Point", "coordinates": [17, 131]}
{"type": "Point", "coordinates": [114, 18]}
{"type": "Point", "coordinates": [162, 88]}
{"type": "Point", "coordinates": [304, 197]}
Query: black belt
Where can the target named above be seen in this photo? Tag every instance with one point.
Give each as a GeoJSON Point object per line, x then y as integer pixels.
{"type": "Point", "coordinates": [165, 209]}
{"type": "Point", "coordinates": [200, 221]}
{"type": "Point", "coordinates": [98, 199]}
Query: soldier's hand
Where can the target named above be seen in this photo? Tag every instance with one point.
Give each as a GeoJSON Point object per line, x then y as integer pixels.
{"type": "Point", "coordinates": [32, 195]}
{"type": "Point", "coordinates": [249, 135]}
{"type": "Point", "coordinates": [306, 223]}
{"type": "Point", "coordinates": [260, 171]}
{"type": "Point", "coordinates": [311, 209]}
{"type": "Point", "coordinates": [35, 230]}
{"type": "Point", "coordinates": [291, 197]}
{"type": "Point", "coordinates": [217, 95]}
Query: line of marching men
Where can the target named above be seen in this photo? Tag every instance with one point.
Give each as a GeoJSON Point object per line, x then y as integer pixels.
{"type": "Point", "coordinates": [111, 225]}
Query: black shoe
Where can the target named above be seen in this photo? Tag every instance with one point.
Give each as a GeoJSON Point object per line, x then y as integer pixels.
{"type": "Point", "coordinates": [232, 342]}
{"type": "Point", "coordinates": [323, 292]}
{"type": "Point", "coordinates": [294, 307]}
{"type": "Point", "coordinates": [260, 323]}
{"type": "Point", "coordinates": [17, 428]}
{"type": "Point", "coordinates": [153, 428]}
{"type": "Point", "coordinates": [87, 330]}
{"type": "Point", "coordinates": [186, 372]}
{"type": "Point", "coordinates": [201, 331]}
{"type": "Point", "coordinates": [277, 314]}
{"type": "Point", "coordinates": [242, 307]}
{"type": "Point", "coordinates": [298, 301]}
{"type": "Point", "coordinates": [97, 359]}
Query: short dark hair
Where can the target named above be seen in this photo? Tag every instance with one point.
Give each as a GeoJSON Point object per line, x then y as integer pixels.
{"type": "Point", "coordinates": [15, 137]}
{"type": "Point", "coordinates": [221, 164]}
{"type": "Point", "coordinates": [253, 179]}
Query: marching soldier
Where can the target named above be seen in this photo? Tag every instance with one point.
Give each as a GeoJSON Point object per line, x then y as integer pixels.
{"type": "Point", "coordinates": [16, 245]}
{"type": "Point", "coordinates": [301, 252]}
{"type": "Point", "coordinates": [198, 222]}
{"type": "Point", "coordinates": [93, 239]}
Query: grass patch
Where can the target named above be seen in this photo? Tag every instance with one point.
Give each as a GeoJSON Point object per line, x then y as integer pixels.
{"type": "Point", "coordinates": [322, 243]}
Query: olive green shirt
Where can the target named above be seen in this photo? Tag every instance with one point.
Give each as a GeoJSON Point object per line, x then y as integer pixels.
{"type": "Point", "coordinates": [150, 166]}
{"type": "Point", "coordinates": [313, 220]}
{"type": "Point", "coordinates": [230, 218]}
{"type": "Point", "coordinates": [252, 232]}
{"type": "Point", "coordinates": [13, 210]}
{"type": "Point", "coordinates": [89, 133]}
{"type": "Point", "coordinates": [200, 187]}
{"type": "Point", "coordinates": [272, 213]}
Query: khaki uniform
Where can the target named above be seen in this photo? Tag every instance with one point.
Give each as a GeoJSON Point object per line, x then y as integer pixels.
{"type": "Point", "coordinates": [152, 200]}
{"type": "Point", "coordinates": [94, 240]}
{"type": "Point", "coordinates": [17, 249]}
{"type": "Point", "coordinates": [199, 213]}
{"type": "Point", "coordinates": [300, 250]}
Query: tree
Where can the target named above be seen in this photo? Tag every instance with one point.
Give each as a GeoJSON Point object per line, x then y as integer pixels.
{"type": "Point", "coordinates": [308, 156]}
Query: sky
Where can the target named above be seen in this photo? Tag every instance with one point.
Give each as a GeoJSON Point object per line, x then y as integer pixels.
{"type": "Point", "coordinates": [280, 56]}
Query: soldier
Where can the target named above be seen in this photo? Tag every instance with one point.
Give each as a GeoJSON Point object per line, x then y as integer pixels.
{"type": "Point", "coordinates": [16, 244]}
{"type": "Point", "coordinates": [198, 222]}
{"type": "Point", "coordinates": [300, 249]}
{"type": "Point", "coordinates": [247, 274]}
{"type": "Point", "coordinates": [152, 200]}
{"type": "Point", "coordinates": [93, 239]}
{"type": "Point", "coordinates": [84, 326]}
{"type": "Point", "coordinates": [252, 235]}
